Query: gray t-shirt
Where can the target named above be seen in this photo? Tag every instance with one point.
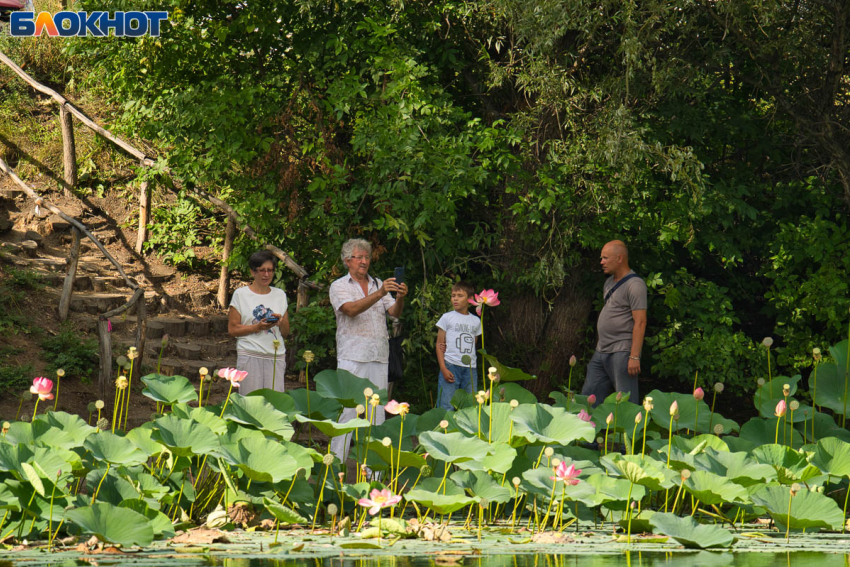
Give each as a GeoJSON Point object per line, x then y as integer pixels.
{"type": "Point", "coordinates": [615, 321]}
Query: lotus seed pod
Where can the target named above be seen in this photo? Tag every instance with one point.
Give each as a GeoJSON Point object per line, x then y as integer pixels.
{"type": "Point", "coordinates": [718, 387]}
{"type": "Point", "coordinates": [132, 354]}
{"type": "Point", "coordinates": [60, 372]}
{"type": "Point", "coordinates": [600, 439]}
{"type": "Point", "coordinates": [301, 472]}
{"type": "Point", "coordinates": [686, 474]}
{"type": "Point", "coordinates": [492, 370]}
{"type": "Point", "coordinates": [103, 424]}
{"type": "Point", "coordinates": [515, 481]}
{"type": "Point", "coordinates": [91, 407]}
{"type": "Point", "coordinates": [122, 361]}
{"type": "Point", "coordinates": [556, 462]}
{"type": "Point", "coordinates": [795, 488]}
{"type": "Point", "coordinates": [549, 451]}
{"type": "Point", "coordinates": [647, 404]}
{"type": "Point", "coordinates": [767, 342]}
{"type": "Point", "coordinates": [514, 403]}
{"type": "Point", "coordinates": [786, 389]}
{"type": "Point", "coordinates": [638, 418]}
{"type": "Point", "coordinates": [760, 381]}
{"type": "Point", "coordinates": [275, 344]}
{"type": "Point", "coordinates": [332, 509]}
{"type": "Point", "coordinates": [483, 503]}
{"type": "Point", "coordinates": [819, 489]}
{"type": "Point", "coordinates": [204, 371]}
{"type": "Point", "coordinates": [816, 354]}
{"type": "Point", "coordinates": [794, 405]}
{"type": "Point", "coordinates": [6, 426]}
{"type": "Point", "coordinates": [425, 470]}
{"type": "Point", "coordinates": [386, 442]}
{"type": "Point", "coordinates": [444, 424]}
{"type": "Point", "coordinates": [99, 404]}
{"type": "Point", "coordinates": [674, 408]}
{"type": "Point", "coordinates": [360, 409]}
{"type": "Point", "coordinates": [573, 360]}
{"type": "Point", "coordinates": [309, 356]}
{"type": "Point", "coordinates": [328, 460]}
{"type": "Point", "coordinates": [164, 341]}
{"type": "Point", "coordinates": [121, 383]}
{"type": "Point", "coordinates": [718, 429]}
{"type": "Point", "coordinates": [375, 400]}
{"type": "Point", "coordinates": [368, 392]}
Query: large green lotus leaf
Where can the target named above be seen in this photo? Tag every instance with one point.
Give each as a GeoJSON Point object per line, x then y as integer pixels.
{"type": "Point", "coordinates": [39, 432]}
{"type": "Point", "coordinates": [430, 420]}
{"type": "Point", "coordinates": [544, 424]}
{"type": "Point", "coordinates": [305, 457]}
{"type": "Point", "coordinates": [31, 475]}
{"type": "Point", "coordinates": [184, 437]}
{"type": "Point", "coordinates": [832, 456]}
{"type": "Point", "coordinates": [481, 485]}
{"type": "Point", "coordinates": [281, 401]}
{"type": "Point", "coordinates": [150, 487]}
{"type": "Point", "coordinates": [825, 426]}
{"type": "Point", "coordinates": [235, 432]}
{"type": "Point", "coordinates": [660, 414]}
{"type": "Point", "coordinates": [257, 412]}
{"type": "Point", "coordinates": [113, 449]}
{"type": "Point", "coordinates": [506, 373]}
{"type": "Point", "coordinates": [453, 447]}
{"type": "Point", "coordinates": [433, 484]}
{"type": "Point", "coordinates": [467, 421]}
{"type": "Point", "coordinates": [691, 533]}
{"type": "Point", "coordinates": [763, 432]}
{"type": "Point", "coordinates": [319, 407]}
{"type": "Point", "coordinates": [378, 457]}
{"type": "Point", "coordinates": [202, 415]}
{"type": "Point", "coordinates": [768, 394]}
{"type": "Point", "coordinates": [262, 460]}
{"type": "Point", "coordinates": [51, 461]}
{"type": "Point", "coordinates": [346, 388]}
{"type": "Point", "coordinates": [392, 428]}
{"type": "Point", "coordinates": [740, 468]}
{"type": "Point", "coordinates": [168, 389]}
{"type": "Point", "coordinates": [790, 465]}
{"type": "Point", "coordinates": [114, 489]}
{"type": "Point", "coordinates": [439, 503]}
{"type": "Point", "coordinates": [645, 471]}
{"type": "Point", "coordinates": [611, 492]}
{"type": "Point", "coordinates": [113, 524]}
{"type": "Point", "coordinates": [72, 425]}
{"type": "Point", "coordinates": [161, 525]}
{"type": "Point", "coordinates": [282, 513]}
{"type": "Point", "coordinates": [513, 391]}
{"type": "Point", "coordinates": [463, 399]}
{"type": "Point", "coordinates": [141, 438]}
{"type": "Point", "coordinates": [11, 456]}
{"type": "Point", "coordinates": [808, 509]}
{"type": "Point", "coordinates": [540, 481]}
{"type": "Point", "coordinates": [499, 460]}
{"type": "Point", "coordinates": [624, 414]}
{"type": "Point", "coordinates": [712, 489]}
{"type": "Point", "coordinates": [9, 500]}
{"type": "Point", "coordinates": [332, 428]}
{"type": "Point", "coordinates": [684, 450]}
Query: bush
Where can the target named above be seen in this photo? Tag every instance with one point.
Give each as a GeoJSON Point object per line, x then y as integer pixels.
{"type": "Point", "coordinates": [78, 357]}
{"type": "Point", "coordinates": [16, 378]}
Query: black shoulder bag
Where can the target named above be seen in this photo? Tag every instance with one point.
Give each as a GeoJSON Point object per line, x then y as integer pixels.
{"type": "Point", "coordinates": [618, 284]}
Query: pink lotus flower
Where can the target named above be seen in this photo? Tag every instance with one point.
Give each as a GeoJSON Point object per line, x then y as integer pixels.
{"type": "Point", "coordinates": [42, 387]}
{"type": "Point", "coordinates": [584, 416]}
{"type": "Point", "coordinates": [591, 399]}
{"type": "Point", "coordinates": [235, 376]}
{"type": "Point", "coordinates": [567, 474]}
{"type": "Point", "coordinates": [699, 394]}
{"type": "Point", "coordinates": [674, 408]}
{"type": "Point", "coordinates": [780, 409]}
{"type": "Point", "coordinates": [379, 499]}
{"type": "Point", "coordinates": [573, 360]}
{"type": "Point", "coordinates": [396, 408]}
{"type": "Point", "coordinates": [486, 297]}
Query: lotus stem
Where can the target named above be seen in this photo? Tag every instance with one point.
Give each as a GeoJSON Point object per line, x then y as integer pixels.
{"type": "Point", "coordinates": [569, 387]}
{"type": "Point", "coordinates": [209, 391]}
{"type": "Point", "coordinates": [776, 437]}
{"type": "Point", "coordinates": [35, 409]}
{"type": "Point", "coordinates": [50, 521]}
{"type": "Point", "coordinates": [227, 399]}
{"type": "Point", "coordinates": [643, 447]}
{"type": "Point", "coordinates": [791, 434]}
{"type": "Point", "coordinates": [321, 493]}
{"type": "Point", "coordinates": [806, 428]}
{"type": "Point", "coordinates": [815, 396]}
{"type": "Point", "coordinates": [23, 515]}
{"type": "Point", "coordinates": [634, 434]}
{"type": "Point", "coordinates": [629, 510]}
{"type": "Point", "coordinates": [559, 513]}
{"type": "Point", "coordinates": [398, 458]}
{"type": "Point", "coordinates": [540, 456]}
{"type": "Point", "coordinates": [846, 375]}
{"type": "Point", "coordinates": [788, 519]}
{"type": "Point", "coordinates": [513, 512]}
{"type": "Point", "coordinates": [129, 391]}
{"type": "Point", "coordinates": [274, 366]}
{"type": "Point", "coordinates": [55, 404]}
{"type": "Point", "coordinates": [201, 394]}
{"type": "Point", "coordinates": [120, 409]}
{"type": "Point", "coordinates": [711, 419]}
{"type": "Point", "coordinates": [307, 384]}
{"type": "Point", "coordinates": [676, 499]}
{"type": "Point", "coordinates": [490, 426]}
{"type": "Point", "coordinates": [180, 497]}
{"type": "Point", "coordinates": [548, 509]}
{"type": "Point", "coordinates": [605, 448]}
{"type": "Point", "coordinates": [769, 375]}
{"type": "Point", "coordinates": [159, 360]}
{"type": "Point", "coordinates": [847, 495]}
{"type": "Point", "coordinates": [670, 442]}
{"type": "Point", "coordinates": [20, 405]}
{"type": "Point", "coordinates": [94, 496]}
{"type": "Point", "coordinates": [785, 420]}
{"type": "Point", "coordinates": [696, 421]}
{"type": "Point", "coordinates": [479, 419]}
{"type": "Point", "coordinates": [115, 405]}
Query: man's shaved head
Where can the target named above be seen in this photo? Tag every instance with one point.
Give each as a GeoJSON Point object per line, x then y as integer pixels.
{"type": "Point", "coordinates": [617, 247]}
{"type": "Point", "coordinates": [615, 258]}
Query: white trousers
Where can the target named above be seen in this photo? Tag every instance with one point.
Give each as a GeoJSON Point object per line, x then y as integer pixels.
{"type": "Point", "coordinates": [376, 372]}
{"type": "Point", "coordinates": [261, 372]}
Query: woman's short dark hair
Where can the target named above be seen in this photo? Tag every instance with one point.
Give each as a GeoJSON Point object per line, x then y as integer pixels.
{"type": "Point", "coordinates": [260, 257]}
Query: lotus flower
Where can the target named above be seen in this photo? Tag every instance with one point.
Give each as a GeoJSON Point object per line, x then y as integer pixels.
{"type": "Point", "coordinates": [610, 419]}
{"type": "Point", "coordinates": [396, 408]}
{"type": "Point", "coordinates": [379, 499]}
{"type": "Point", "coordinates": [584, 416]}
{"type": "Point", "coordinates": [486, 297]}
{"type": "Point", "coordinates": [42, 388]}
{"type": "Point", "coordinates": [234, 375]}
{"type": "Point", "coordinates": [674, 408]}
{"type": "Point", "coordinates": [573, 360]}
{"type": "Point", "coordinates": [699, 394]}
{"type": "Point", "coordinates": [566, 474]}
{"type": "Point", "coordinates": [780, 409]}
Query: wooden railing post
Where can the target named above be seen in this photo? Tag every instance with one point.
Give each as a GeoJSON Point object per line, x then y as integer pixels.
{"type": "Point", "coordinates": [69, 152]}
{"type": "Point", "coordinates": [144, 216]}
{"type": "Point", "coordinates": [70, 276]}
{"type": "Point", "coordinates": [105, 340]}
{"type": "Point", "coordinates": [141, 332]}
{"type": "Point", "coordinates": [224, 279]}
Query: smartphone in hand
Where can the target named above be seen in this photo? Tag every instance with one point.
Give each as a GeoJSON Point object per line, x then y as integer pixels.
{"type": "Point", "coordinates": [399, 275]}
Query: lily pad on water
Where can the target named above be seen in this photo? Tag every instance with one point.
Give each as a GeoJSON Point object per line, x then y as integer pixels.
{"type": "Point", "coordinates": [345, 387]}
{"type": "Point", "coordinates": [453, 447]}
{"type": "Point", "coordinates": [112, 524]}
{"type": "Point", "coordinates": [808, 509]}
{"type": "Point", "coordinates": [168, 389]}
{"type": "Point", "coordinates": [544, 424]}
{"type": "Point", "coordinates": [113, 449]}
{"type": "Point", "coordinates": [690, 533]}
{"type": "Point", "coordinates": [184, 437]}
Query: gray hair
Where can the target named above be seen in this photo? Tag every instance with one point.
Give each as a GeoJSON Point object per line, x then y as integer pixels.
{"type": "Point", "coordinates": [355, 244]}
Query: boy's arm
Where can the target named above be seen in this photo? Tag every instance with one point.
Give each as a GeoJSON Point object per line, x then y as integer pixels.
{"type": "Point", "coordinates": [441, 356]}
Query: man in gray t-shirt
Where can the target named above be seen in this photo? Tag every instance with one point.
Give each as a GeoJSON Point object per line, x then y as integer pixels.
{"type": "Point", "coordinates": [621, 326]}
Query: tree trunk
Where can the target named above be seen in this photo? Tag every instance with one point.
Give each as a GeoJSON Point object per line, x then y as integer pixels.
{"type": "Point", "coordinates": [70, 276]}
{"type": "Point", "coordinates": [144, 216]}
{"type": "Point", "coordinates": [69, 152]}
{"type": "Point", "coordinates": [105, 339]}
{"type": "Point", "coordinates": [224, 279]}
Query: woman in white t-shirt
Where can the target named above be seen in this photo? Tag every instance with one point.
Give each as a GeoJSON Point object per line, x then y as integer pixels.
{"type": "Point", "coordinates": [258, 319]}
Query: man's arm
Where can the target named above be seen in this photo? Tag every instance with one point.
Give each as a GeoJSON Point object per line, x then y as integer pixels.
{"type": "Point", "coordinates": [441, 356]}
{"type": "Point", "coordinates": [355, 308]}
{"type": "Point", "coordinates": [395, 310]}
{"type": "Point", "coordinates": [638, 332]}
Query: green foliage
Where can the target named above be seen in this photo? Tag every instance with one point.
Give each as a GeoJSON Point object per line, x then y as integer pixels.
{"type": "Point", "coordinates": [16, 377]}
{"type": "Point", "coordinates": [67, 350]}
{"type": "Point", "coordinates": [316, 332]}
{"type": "Point", "coordinates": [176, 229]}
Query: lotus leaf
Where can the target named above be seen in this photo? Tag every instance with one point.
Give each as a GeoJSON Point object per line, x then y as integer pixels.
{"type": "Point", "coordinates": [284, 514]}
{"type": "Point", "coordinates": [379, 457]}
{"type": "Point", "coordinates": [11, 456]}
{"type": "Point", "coordinates": [539, 481]}
{"type": "Point", "coordinates": [32, 476]}
{"type": "Point", "coordinates": [624, 412]}
{"type": "Point", "coordinates": [262, 460]}
{"type": "Point", "coordinates": [161, 525]}
{"type": "Point", "coordinates": [114, 489]}
{"type": "Point", "coordinates": [184, 437]}
{"type": "Point", "coordinates": [430, 420]}
{"type": "Point", "coordinates": [825, 426]}
{"type": "Point", "coordinates": [257, 412]}
{"type": "Point", "coordinates": [8, 499]}
{"type": "Point", "coordinates": [453, 447]}
{"type": "Point", "coordinates": [482, 485]}
{"type": "Point", "coordinates": [113, 449]}
{"type": "Point", "coordinates": [690, 533]}
{"type": "Point", "coordinates": [463, 399]}
{"type": "Point", "coordinates": [235, 432]}
{"type": "Point", "coordinates": [763, 432]}
{"type": "Point", "coordinates": [305, 457]}
{"type": "Point", "coordinates": [281, 401]}
{"type": "Point", "coordinates": [141, 438]}
{"type": "Point", "coordinates": [202, 415]}
{"type": "Point", "coordinates": [320, 407]}
{"type": "Point", "coordinates": [52, 460]}
{"type": "Point", "coordinates": [611, 492]}
{"type": "Point", "coordinates": [506, 373]}
{"type": "Point", "coordinates": [467, 421]}
{"type": "Point", "coordinates": [113, 524]}
{"type": "Point", "coordinates": [168, 389]}
{"type": "Point", "coordinates": [333, 428]}
{"type": "Point", "coordinates": [345, 387]}
{"type": "Point", "coordinates": [713, 489]}
{"type": "Point", "coordinates": [73, 425]}
{"type": "Point", "coordinates": [790, 465]}
{"type": "Point", "coordinates": [740, 468]}
{"type": "Point", "coordinates": [660, 414]}
{"type": "Point", "coordinates": [432, 484]}
{"type": "Point", "coordinates": [808, 509]}
{"type": "Point", "coordinates": [391, 428]}
{"type": "Point", "coordinates": [150, 487]}
{"type": "Point", "coordinates": [39, 432]}
{"type": "Point", "coordinates": [768, 394]}
{"type": "Point", "coordinates": [499, 460]}
{"type": "Point", "coordinates": [832, 456]}
{"type": "Point", "coordinates": [645, 471]}
{"type": "Point", "coordinates": [544, 424]}
{"type": "Point", "coordinates": [514, 391]}
{"type": "Point", "coordinates": [439, 503]}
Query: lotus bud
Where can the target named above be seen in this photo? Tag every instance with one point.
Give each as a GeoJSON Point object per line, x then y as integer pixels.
{"type": "Point", "coordinates": [591, 399]}
{"type": "Point", "coordinates": [275, 344]}
{"type": "Point", "coordinates": [816, 354]}
{"type": "Point", "coordinates": [686, 474]}
{"type": "Point", "coordinates": [164, 341]}
{"type": "Point", "coordinates": [341, 476]}
{"type": "Point", "coordinates": [368, 393]}
{"type": "Point", "coordinates": [332, 509]}
{"type": "Point", "coordinates": [573, 360]}
{"type": "Point", "coordinates": [479, 398]}
{"type": "Point", "coordinates": [425, 470]}
{"type": "Point", "coordinates": [328, 460]}
{"type": "Point", "coordinates": [548, 451]}
{"type": "Point", "coordinates": [780, 409]}
{"type": "Point", "coordinates": [103, 424]}
{"type": "Point", "coordinates": [60, 372]}
{"type": "Point", "coordinates": [718, 429]}
{"type": "Point", "coordinates": [699, 394]}
{"type": "Point", "coordinates": [556, 462]}
{"type": "Point", "coordinates": [619, 397]}
{"type": "Point", "coordinates": [795, 488]}
{"type": "Point", "coordinates": [514, 404]}
{"type": "Point", "coordinates": [309, 356]}
{"type": "Point", "coordinates": [794, 405]}
{"type": "Point", "coordinates": [674, 408]}
{"type": "Point", "coordinates": [386, 442]}
{"type": "Point", "coordinates": [786, 389]}
{"type": "Point", "coordinates": [444, 424]}
{"type": "Point", "coordinates": [633, 505]}
{"type": "Point", "coordinates": [99, 404]}
{"type": "Point", "coordinates": [767, 342]}
{"type": "Point", "coordinates": [360, 409]}
{"type": "Point", "coordinates": [610, 419]}
{"type": "Point", "coordinates": [515, 481]}
{"type": "Point", "coordinates": [204, 372]}
{"type": "Point", "coordinates": [638, 417]}
{"type": "Point", "coordinates": [760, 382]}
{"type": "Point", "coordinates": [718, 387]}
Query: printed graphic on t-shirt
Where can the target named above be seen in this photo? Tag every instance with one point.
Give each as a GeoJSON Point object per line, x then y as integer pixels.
{"type": "Point", "coordinates": [465, 343]}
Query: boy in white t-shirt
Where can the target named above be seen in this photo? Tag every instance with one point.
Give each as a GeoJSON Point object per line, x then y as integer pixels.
{"type": "Point", "coordinates": [456, 338]}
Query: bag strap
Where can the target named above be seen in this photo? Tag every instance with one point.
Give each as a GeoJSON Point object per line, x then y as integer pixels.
{"type": "Point", "coordinates": [617, 285]}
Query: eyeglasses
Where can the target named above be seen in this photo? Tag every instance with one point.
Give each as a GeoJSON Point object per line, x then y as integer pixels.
{"type": "Point", "coordinates": [264, 271]}
{"type": "Point", "coordinates": [359, 258]}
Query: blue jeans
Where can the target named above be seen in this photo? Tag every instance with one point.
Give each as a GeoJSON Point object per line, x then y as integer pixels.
{"type": "Point", "coordinates": [608, 372]}
{"type": "Point", "coordinates": [464, 379]}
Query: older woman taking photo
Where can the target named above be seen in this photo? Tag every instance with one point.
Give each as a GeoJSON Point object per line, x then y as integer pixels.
{"type": "Point", "coordinates": [259, 321]}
